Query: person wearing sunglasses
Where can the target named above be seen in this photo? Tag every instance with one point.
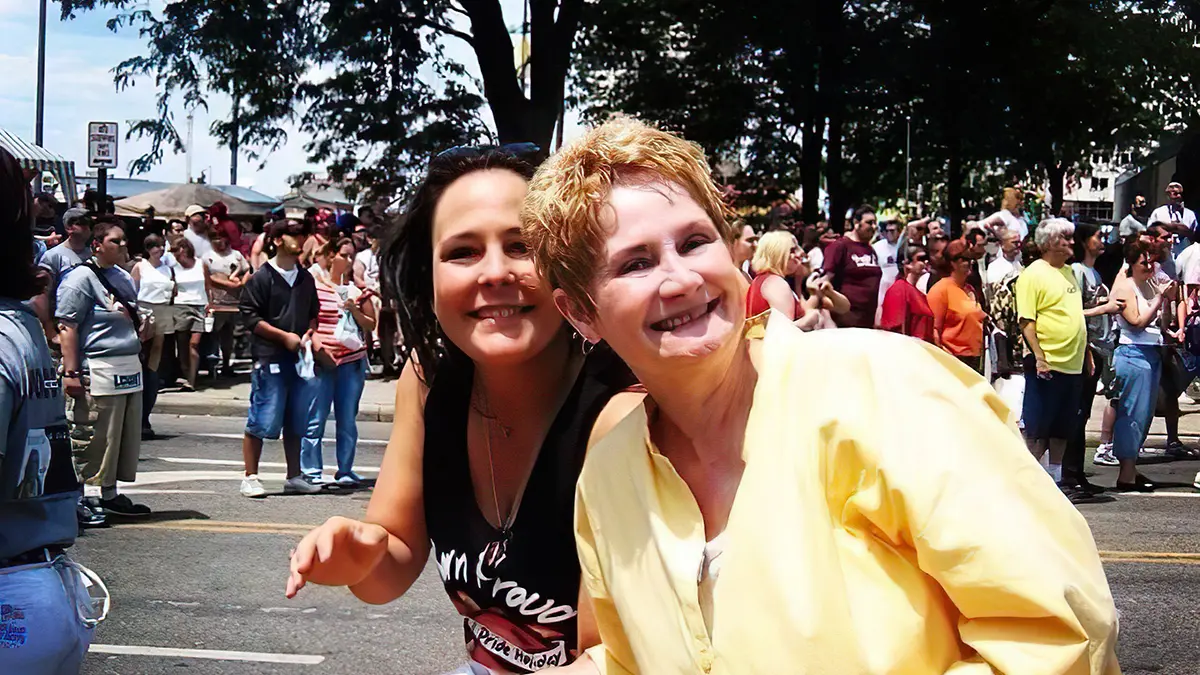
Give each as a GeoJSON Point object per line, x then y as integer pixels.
{"type": "Point", "coordinates": [958, 315]}
{"type": "Point", "coordinates": [905, 309]}
{"type": "Point", "coordinates": [494, 411]}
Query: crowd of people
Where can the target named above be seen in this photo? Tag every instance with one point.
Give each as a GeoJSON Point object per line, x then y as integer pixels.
{"type": "Point", "coordinates": [620, 407]}
{"type": "Point", "coordinates": [126, 326]}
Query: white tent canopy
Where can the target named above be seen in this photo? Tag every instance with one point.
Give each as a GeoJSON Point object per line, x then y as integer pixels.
{"type": "Point", "coordinates": [173, 201]}
{"type": "Point", "coordinates": [37, 158]}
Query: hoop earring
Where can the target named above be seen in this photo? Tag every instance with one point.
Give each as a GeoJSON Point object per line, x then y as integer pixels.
{"type": "Point", "coordinates": [588, 347]}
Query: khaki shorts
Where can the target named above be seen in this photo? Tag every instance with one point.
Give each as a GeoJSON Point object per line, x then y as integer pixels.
{"type": "Point", "coordinates": [187, 318]}
{"type": "Point", "coordinates": [164, 316]}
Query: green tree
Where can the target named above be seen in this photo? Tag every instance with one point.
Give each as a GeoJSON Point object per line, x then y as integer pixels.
{"type": "Point", "coordinates": [394, 97]}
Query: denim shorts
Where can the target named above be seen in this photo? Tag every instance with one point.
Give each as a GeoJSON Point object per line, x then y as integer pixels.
{"type": "Point", "coordinates": [279, 400]}
{"type": "Point", "coordinates": [1051, 406]}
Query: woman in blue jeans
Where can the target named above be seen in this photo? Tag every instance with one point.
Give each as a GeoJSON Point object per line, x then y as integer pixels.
{"type": "Point", "coordinates": [1137, 362]}
{"type": "Point", "coordinates": [341, 362]}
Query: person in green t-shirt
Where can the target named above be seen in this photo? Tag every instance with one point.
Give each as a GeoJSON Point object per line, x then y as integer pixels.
{"type": "Point", "coordinates": [1050, 310]}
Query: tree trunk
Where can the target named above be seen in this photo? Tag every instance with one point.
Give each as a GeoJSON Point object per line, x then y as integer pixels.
{"type": "Point", "coordinates": [839, 202]}
{"type": "Point", "coordinates": [812, 142]}
{"type": "Point", "coordinates": [234, 139]}
{"type": "Point", "coordinates": [553, 25]}
{"type": "Point", "coordinates": [1055, 177]}
{"type": "Point", "coordinates": [954, 181]}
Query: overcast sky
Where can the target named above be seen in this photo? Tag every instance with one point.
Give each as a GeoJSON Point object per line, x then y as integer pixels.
{"type": "Point", "coordinates": [80, 56]}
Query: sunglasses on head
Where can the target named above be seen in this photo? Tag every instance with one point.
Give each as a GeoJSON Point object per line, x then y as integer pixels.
{"type": "Point", "coordinates": [518, 150]}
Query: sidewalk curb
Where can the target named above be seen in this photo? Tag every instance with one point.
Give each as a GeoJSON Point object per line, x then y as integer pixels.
{"type": "Point", "coordinates": [367, 412]}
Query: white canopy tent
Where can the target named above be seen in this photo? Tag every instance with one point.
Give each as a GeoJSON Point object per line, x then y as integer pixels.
{"type": "Point", "coordinates": [37, 158]}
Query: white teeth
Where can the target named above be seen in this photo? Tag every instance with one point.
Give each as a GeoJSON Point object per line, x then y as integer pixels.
{"type": "Point", "coordinates": [676, 322]}
{"type": "Point", "coordinates": [497, 313]}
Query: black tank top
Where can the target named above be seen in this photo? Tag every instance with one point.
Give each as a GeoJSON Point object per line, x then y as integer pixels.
{"type": "Point", "coordinates": [520, 615]}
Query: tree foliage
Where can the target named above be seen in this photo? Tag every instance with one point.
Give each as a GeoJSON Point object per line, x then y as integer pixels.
{"type": "Point", "coordinates": [369, 79]}
{"type": "Point", "coordinates": [800, 94]}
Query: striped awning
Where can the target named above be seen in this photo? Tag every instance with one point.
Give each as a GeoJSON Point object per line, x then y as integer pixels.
{"type": "Point", "coordinates": [36, 158]}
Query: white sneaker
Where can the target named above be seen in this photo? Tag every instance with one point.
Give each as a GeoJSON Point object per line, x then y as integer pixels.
{"type": "Point", "coordinates": [1152, 452]}
{"type": "Point", "coordinates": [1196, 481]}
{"type": "Point", "coordinates": [252, 487]}
{"type": "Point", "coordinates": [1104, 456]}
{"type": "Point", "coordinates": [300, 485]}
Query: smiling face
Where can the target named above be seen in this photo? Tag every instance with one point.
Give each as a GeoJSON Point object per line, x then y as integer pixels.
{"type": "Point", "coordinates": [487, 296]}
{"type": "Point", "coordinates": [667, 289]}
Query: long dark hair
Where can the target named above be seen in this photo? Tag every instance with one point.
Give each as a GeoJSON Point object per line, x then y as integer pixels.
{"type": "Point", "coordinates": [1083, 232]}
{"type": "Point", "coordinates": [19, 276]}
{"type": "Point", "coordinates": [406, 255]}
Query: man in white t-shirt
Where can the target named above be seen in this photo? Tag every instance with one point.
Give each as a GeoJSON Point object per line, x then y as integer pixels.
{"type": "Point", "coordinates": [1009, 259]}
{"type": "Point", "coordinates": [1133, 223]}
{"type": "Point", "coordinates": [888, 251]}
{"type": "Point", "coordinates": [197, 230]}
{"type": "Point", "coordinates": [1176, 216]}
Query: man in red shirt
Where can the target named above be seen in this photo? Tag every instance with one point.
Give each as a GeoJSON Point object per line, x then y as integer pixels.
{"type": "Point", "coordinates": [853, 267]}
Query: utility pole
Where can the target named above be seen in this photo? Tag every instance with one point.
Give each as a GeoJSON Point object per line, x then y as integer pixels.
{"type": "Point", "coordinates": [38, 130]}
{"type": "Point", "coordinates": [907, 164]}
{"type": "Point", "coordinates": [190, 121]}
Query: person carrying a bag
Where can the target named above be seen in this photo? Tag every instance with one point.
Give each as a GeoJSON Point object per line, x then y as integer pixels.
{"type": "Point", "coordinates": [346, 315]}
{"type": "Point", "coordinates": [97, 308]}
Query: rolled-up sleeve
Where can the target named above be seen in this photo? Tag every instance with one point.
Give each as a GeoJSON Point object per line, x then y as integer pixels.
{"type": "Point", "coordinates": [992, 528]}
{"type": "Point", "coordinates": [73, 303]}
{"type": "Point", "coordinates": [613, 656]}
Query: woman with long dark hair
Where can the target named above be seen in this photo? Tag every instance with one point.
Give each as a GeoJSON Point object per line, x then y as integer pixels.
{"type": "Point", "coordinates": [494, 411]}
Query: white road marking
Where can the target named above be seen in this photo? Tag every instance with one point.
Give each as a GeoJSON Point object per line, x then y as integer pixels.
{"type": "Point", "coordinates": [211, 654]}
{"type": "Point", "coordinates": [141, 491]}
{"type": "Point", "coordinates": [238, 437]}
{"type": "Point", "coordinates": [1122, 495]}
{"type": "Point", "coordinates": [238, 462]}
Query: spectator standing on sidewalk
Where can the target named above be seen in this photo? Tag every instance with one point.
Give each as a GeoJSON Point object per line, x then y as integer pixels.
{"type": "Point", "coordinates": [197, 230]}
{"type": "Point", "coordinates": [1174, 215]}
{"type": "Point", "coordinates": [958, 315]}
{"type": "Point", "coordinates": [155, 282]}
{"type": "Point", "coordinates": [97, 308]}
{"type": "Point", "coordinates": [1098, 307]}
{"type": "Point", "coordinates": [1050, 310]}
{"type": "Point", "coordinates": [905, 309]}
{"type": "Point", "coordinates": [38, 486]}
{"type": "Point", "coordinates": [227, 271]}
{"type": "Point", "coordinates": [346, 316]}
{"type": "Point", "coordinates": [1137, 362]}
{"type": "Point", "coordinates": [191, 304]}
{"type": "Point", "coordinates": [218, 216]}
{"type": "Point", "coordinates": [887, 249]}
{"type": "Point", "coordinates": [853, 268]}
{"type": "Point", "coordinates": [280, 308]}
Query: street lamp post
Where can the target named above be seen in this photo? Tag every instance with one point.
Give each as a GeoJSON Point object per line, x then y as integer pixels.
{"type": "Point", "coordinates": [907, 164]}
{"type": "Point", "coordinates": [41, 90]}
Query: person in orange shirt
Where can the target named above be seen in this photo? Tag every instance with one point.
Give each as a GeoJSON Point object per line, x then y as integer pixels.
{"type": "Point", "coordinates": [957, 315]}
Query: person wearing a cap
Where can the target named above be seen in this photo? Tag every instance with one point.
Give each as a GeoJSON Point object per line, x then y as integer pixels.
{"type": "Point", "coordinates": [958, 314]}
{"type": "Point", "coordinates": [1050, 311]}
{"type": "Point", "coordinates": [61, 259]}
{"type": "Point", "coordinates": [197, 231]}
{"type": "Point", "coordinates": [1175, 217]}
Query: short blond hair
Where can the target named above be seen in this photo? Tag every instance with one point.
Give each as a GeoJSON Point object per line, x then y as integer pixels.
{"type": "Point", "coordinates": [774, 249]}
{"type": "Point", "coordinates": [561, 217]}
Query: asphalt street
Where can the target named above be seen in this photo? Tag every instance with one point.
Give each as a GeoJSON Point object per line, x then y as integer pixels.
{"type": "Point", "coordinates": [205, 574]}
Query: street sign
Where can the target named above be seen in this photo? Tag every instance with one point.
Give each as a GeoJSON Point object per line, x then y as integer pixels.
{"type": "Point", "coordinates": [102, 145]}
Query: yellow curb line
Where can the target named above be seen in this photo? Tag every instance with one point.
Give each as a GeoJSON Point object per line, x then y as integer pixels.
{"type": "Point", "coordinates": [221, 526]}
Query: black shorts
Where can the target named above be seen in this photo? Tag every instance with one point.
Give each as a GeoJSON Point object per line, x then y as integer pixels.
{"type": "Point", "coordinates": [1051, 407]}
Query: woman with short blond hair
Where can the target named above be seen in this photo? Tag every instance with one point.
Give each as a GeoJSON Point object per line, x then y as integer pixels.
{"type": "Point", "coordinates": [857, 542]}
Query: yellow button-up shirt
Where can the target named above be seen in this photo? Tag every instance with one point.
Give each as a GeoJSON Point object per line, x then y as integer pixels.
{"type": "Point", "coordinates": [889, 520]}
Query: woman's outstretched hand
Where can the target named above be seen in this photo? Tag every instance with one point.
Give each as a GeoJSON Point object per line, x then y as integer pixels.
{"type": "Point", "coordinates": [342, 552]}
